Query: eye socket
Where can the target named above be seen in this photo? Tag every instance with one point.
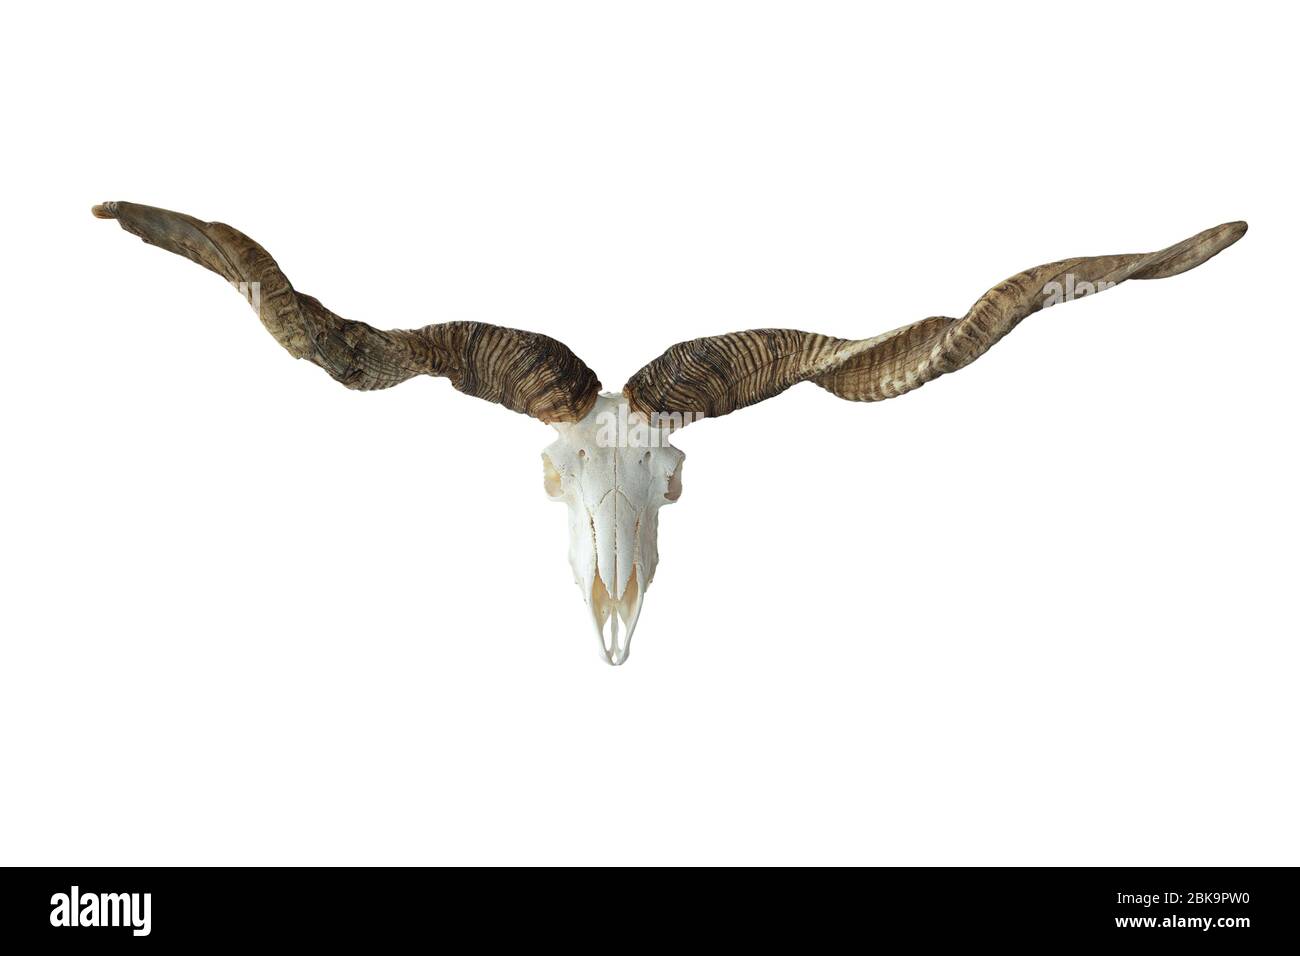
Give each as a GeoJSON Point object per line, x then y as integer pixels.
{"type": "Point", "coordinates": [582, 453]}
{"type": "Point", "coordinates": [674, 485]}
{"type": "Point", "coordinates": [551, 479]}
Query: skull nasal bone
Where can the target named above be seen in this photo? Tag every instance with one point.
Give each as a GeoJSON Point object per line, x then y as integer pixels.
{"type": "Point", "coordinates": [616, 521]}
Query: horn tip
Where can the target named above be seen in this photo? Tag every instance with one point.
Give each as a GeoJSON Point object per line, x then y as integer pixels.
{"type": "Point", "coordinates": [107, 210]}
{"type": "Point", "coordinates": [1228, 234]}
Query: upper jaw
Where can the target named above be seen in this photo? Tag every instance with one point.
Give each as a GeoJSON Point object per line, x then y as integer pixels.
{"type": "Point", "coordinates": [608, 613]}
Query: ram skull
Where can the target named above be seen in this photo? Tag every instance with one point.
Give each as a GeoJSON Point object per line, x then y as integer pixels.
{"type": "Point", "coordinates": [612, 464]}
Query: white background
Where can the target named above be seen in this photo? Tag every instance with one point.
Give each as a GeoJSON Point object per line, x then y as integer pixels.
{"type": "Point", "coordinates": [1040, 611]}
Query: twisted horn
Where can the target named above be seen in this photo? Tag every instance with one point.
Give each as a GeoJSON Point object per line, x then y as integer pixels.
{"type": "Point", "coordinates": [718, 374]}
{"type": "Point", "coordinates": [524, 371]}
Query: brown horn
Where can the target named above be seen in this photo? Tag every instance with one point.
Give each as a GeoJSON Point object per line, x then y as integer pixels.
{"type": "Point", "coordinates": [716, 375]}
{"type": "Point", "coordinates": [524, 371]}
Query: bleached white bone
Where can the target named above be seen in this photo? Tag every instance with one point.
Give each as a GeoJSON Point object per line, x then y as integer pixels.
{"type": "Point", "coordinates": [614, 472]}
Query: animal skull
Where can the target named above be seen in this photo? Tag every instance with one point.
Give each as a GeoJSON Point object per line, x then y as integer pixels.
{"type": "Point", "coordinates": [612, 464]}
{"type": "Point", "coordinates": [614, 472]}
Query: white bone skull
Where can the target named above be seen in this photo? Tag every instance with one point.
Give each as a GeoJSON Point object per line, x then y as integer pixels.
{"type": "Point", "coordinates": [614, 472]}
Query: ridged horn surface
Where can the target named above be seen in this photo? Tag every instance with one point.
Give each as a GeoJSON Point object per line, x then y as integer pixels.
{"type": "Point", "coordinates": [718, 374]}
{"type": "Point", "coordinates": [524, 371]}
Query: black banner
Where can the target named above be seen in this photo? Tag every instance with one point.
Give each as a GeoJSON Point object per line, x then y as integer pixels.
{"type": "Point", "coordinates": [97, 908]}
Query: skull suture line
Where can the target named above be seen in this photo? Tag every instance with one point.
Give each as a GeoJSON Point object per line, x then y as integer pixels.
{"type": "Point", "coordinates": [612, 464]}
